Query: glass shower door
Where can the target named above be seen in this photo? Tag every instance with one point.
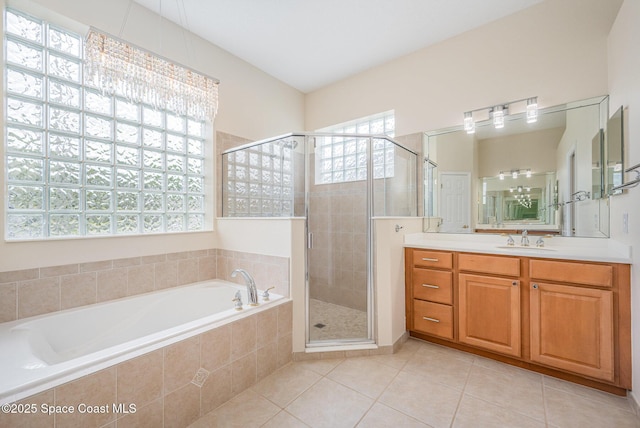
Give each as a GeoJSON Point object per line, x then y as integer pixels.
{"type": "Point", "coordinates": [338, 240]}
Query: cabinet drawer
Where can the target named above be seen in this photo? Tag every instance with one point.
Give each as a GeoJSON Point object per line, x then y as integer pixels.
{"type": "Point", "coordinates": [428, 258]}
{"type": "Point", "coordinates": [433, 285]}
{"type": "Point", "coordinates": [433, 318]}
{"type": "Point", "coordinates": [496, 265]}
{"type": "Point", "coordinates": [576, 273]}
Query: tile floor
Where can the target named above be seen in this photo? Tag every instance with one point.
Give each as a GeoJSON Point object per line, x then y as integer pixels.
{"type": "Point", "coordinates": [422, 385]}
{"type": "Point", "coordinates": [339, 322]}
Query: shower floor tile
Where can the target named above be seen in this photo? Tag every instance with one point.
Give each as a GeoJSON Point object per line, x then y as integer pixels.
{"type": "Point", "coordinates": [328, 321]}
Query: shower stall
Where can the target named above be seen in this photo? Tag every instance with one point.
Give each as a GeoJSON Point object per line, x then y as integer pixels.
{"type": "Point", "coordinates": [340, 183]}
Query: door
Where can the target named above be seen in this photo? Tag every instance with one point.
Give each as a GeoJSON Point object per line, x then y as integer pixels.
{"type": "Point", "coordinates": [455, 202]}
{"type": "Point", "coordinates": [337, 254]}
{"type": "Point", "coordinates": [490, 313]}
{"type": "Point", "coordinates": [572, 329]}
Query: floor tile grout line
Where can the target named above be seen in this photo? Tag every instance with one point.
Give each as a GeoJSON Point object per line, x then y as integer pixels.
{"type": "Point", "coordinates": [464, 387]}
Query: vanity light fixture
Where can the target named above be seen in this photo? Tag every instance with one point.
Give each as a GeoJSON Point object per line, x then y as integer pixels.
{"type": "Point", "coordinates": [497, 115]}
{"type": "Point", "coordinates": [515, 173]}
{"type": "Point", "coordinates": [501, 175]}
{"type": "Point", "coordinates": [528, 173]}
{"type": "Point", "coordinates": [532, 110]}
{"type": "Point", "coordinates": [469, 124]}
{"type": "Point", "coordinates": [498, 112]}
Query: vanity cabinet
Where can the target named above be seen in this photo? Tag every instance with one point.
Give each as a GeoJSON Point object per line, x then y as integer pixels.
{"type": "Point", "coordinates": [572, 318]}
{"type": "Point", "coordinates": [565, 318]}
{"type": "Point", "coordinates": [431, 293]}
{"type": "Point", "coordinates": [489, 315]}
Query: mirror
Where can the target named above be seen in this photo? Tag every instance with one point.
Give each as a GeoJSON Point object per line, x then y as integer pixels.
{"type": "Point", "coordinates": [547, 177]}
{"type": "Point", "coordinates": [614, 170]}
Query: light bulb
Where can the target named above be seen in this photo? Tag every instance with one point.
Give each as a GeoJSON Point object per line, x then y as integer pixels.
{"type": "Point", "coordinates": [528, 173]}
{"type": "Point", "coordinates": [501, 175]}
{"type": "Point", "coordinates": [514, 174]}
{"type": "Point", "coordinates": [532, 110]}
{"type": "Point", "coordinates": [469, 124]}
{"type": "Point", "coordinates": [498, 117]}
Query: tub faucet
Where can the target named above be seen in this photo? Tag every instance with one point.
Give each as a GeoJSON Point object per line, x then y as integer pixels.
{"type": "Point", "coordinates": [252, 291]}
{"type": "Point", "coordinates": [524, 241]}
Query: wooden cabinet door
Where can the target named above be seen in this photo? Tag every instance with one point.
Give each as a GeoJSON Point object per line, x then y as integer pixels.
{"type": "Point", "coordinates": [489, 314]}
{"type": "Point", "coordinates": [572, 329]}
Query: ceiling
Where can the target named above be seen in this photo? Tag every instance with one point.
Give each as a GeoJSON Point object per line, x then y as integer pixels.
{"type": "Point", "coordinates": [309, 44]}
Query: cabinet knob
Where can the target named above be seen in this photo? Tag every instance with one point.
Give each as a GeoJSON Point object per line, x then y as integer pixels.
{"type": "Point", "coordinates": [514, 283]}
{"type": "Point", "coordinates": [535, 286]}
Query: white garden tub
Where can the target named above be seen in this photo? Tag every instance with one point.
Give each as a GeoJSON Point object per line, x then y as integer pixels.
{"type": "Point", "coordinates": [41, 352]}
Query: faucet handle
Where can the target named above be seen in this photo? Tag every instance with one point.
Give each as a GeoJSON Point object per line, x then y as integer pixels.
{"type": "Point", "coordinates": [238, 300]}
{"type": "Point", "coordinates": [540, 242]}
{"type": "Point", "coordinates": [265, 293]}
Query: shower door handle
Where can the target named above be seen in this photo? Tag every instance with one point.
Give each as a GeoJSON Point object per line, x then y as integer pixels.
{"type": "Point", "coordinates": [309, 240]}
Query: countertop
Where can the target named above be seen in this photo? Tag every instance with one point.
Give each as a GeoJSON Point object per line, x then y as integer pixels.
{"type": "Point", "coordinates": [567, 248]}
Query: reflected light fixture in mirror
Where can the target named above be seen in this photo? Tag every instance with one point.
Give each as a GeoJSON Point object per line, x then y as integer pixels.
{"type": "Point", "coordinates": [532, 110]}
{"type": "Point", "coordinates": [497, 114]}
{"type": "Point", "coordinates": [469, 124]}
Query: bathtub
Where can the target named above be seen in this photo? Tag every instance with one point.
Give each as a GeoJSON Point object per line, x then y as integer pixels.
{"type": "Point", "coordinates": [45, 351]}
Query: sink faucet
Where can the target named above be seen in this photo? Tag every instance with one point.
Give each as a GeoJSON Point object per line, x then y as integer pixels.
{"type": "Point", "coordinates": [524, 241]}
{"type": "Point", "coordinates": [252, 291]}
{"type": "Point", "coordinates": [540, 242]}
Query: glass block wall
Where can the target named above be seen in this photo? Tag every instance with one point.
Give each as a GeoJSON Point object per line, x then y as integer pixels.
{"type": "Point", "coordinates": [262, 180]}
{"type": "Point", "coordinates": [82, 163]}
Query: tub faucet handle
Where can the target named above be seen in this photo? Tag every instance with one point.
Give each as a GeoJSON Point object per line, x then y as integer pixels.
{"type": "Point", "coordinates": [265, 293]}
{"type": "Point", "coordinates": [238, 300]}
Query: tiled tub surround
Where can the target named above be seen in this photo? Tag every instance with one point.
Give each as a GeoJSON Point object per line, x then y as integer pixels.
{"type": "Point", "coordinates": [162, 384]}
{"type": "Point", "coordinates": [30, 292]}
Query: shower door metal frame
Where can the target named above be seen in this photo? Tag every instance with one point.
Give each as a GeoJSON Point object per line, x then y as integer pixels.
{"type": "Point", "coordinates": [370, 339]}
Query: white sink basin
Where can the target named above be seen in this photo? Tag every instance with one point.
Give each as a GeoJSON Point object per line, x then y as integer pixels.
{"type": "Point", "coordinates": [519, 247]}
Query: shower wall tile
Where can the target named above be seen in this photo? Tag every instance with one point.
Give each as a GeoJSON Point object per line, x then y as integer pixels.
{"type": "Point", "coordinates": [267, 328]}
{"type": "Point", "coordinates": [187, 271]}
{"type": "Point", "coordinates": [140, 380]}
{"type": "Point", "coordinates": [266, 360]}
{"type": "Point", "coordinates": [78, 290]}
{"type": "Point", "coordinates": [50, 289]}
{"type": "Point", "coordinates": [36, 419]}
{"type": "Point", "coordinates": [216, 348]}
{"type": "Point", "coordinates": [150, 415]}
{"type": "Point", "coordinates": [131, 261]}
{"type": "Point", "coordinates": [166, 274]}
{"type": "Point", "coordinates": [243, 337]}
{"type": "Point", "coordinates": [96, 266]}
{"type": "Point", "coordinates": [19, 275]}
{"type": "Point", "coordinates": [97, 389]}
{"type": "Point", "coordinates": [58, 271]}
{"type": "Point", "coordinates": [182, 407]}
{"type": "Point", "coordinates": [38, 297]}
{"type": "Point", "coordinates": [181, 362]}
{"type": "Point", "coordinates": [243, 373]}
{"type": "Point", "coordinates": [8, 302]}
{"type": "Point", "coordinates": [216, 390]}
{"type": "Point", "coordinates": [112, 284]}
{"type": "Point", "coordinates": [140, 279]}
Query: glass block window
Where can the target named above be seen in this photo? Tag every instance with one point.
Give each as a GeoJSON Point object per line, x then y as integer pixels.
{"type": "Point", "coordinates": [82, 163]}
{"type": "Point", "coordinates": [340, 159]}
{"type": "Point", "coordinates": [259, 180]}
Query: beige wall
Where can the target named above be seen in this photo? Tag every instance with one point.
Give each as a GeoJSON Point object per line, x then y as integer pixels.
{"type": "Point", "coordinates": [535, 151]}
{"type": "Point", "coordinates": [624, 88]}
{"type": "Point", "coordinates": [545, 50]}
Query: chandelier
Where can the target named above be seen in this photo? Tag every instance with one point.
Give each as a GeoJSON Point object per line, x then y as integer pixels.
{"type": "Point", "coordinates": [116, 66]}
